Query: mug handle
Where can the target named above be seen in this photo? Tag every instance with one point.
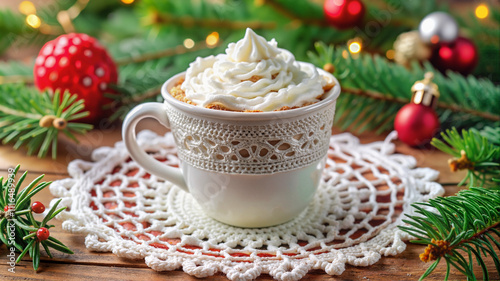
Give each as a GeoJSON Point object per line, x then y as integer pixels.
{"type": "Point", "coordinates": [157, 111]}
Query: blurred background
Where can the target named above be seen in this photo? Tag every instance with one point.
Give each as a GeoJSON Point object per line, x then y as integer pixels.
{"type": "Point", "coordinates": [377, 49]}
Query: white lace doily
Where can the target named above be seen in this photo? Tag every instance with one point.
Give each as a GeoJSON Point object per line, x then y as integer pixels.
{"type": "Point", "coordinates": [353, 219]}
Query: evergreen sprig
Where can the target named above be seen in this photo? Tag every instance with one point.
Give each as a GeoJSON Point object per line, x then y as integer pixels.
{"type": "Point", "coordinates": [35, 120]}
{"type": "Point", "coordinates": [374, 89]}
{"type": "Point", "coordinates": [18, 226]}
{"type": "Point", "coordinates": [460, 229]}
{"type": "Point", "coordinates": [474, 152]}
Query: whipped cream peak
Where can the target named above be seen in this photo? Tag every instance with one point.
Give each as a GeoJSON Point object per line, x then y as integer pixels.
{"type": "Point", "coordinates": [252, 48]}
{"type": "Point", "coordinates": [253, 75]}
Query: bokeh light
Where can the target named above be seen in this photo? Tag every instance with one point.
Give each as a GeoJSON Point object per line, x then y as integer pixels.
{"type": "Point", "coordinates": [33, 21]}
{"type": "Point", "coordinates": [27, 8]}
{"type": "Point", "coordinates": [355, 47]}
{"type": "Point", "coordinates": [212, 39]}
{"type": "Point", "coordinates": [482, 11]}
{"type": "Point", "coordinates": [390, 54]}
{"type": "Point", "coordinates": [127, 1]}
{"type": "Point", "coordinates": [188, 43]}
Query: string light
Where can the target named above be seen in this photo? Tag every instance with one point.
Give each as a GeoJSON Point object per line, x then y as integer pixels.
{"type": "Point", "coordinates": [482, 11]}
{"type": "Point", "coordinates": [27, 8]}
{"type": "Point", "coordinates": [212, 39]}
{"type": "Point", "coordinates": [390, 54]}
{"type": "Point", "coordinates": [127, 1]}
{"type": "Point", "coordinates": [188, 43]}
{"type": "Point", "coordinates": [354, 46]}
{"type": "Point", "coordinates": [64, 17]}
{"type": "Point", "coordinates": [33, 21]}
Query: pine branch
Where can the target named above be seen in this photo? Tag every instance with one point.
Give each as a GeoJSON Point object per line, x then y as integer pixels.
{"type": "Point", "coordinates": [473, 152]}
{"type": "Point", "coordinates": [455, 226]}
{"type": "Point", "coordinates": [376, 89]}
{"type": "Point", "coordinates": [492, 134]}
{"type": "Point", "coordinates": [18, 226]}
{"type": "Point", "coordinates": [34, 120]}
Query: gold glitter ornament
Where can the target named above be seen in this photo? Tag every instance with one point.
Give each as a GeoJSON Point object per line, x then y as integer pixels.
{"type": "Point", "coordinates": [409, 47]}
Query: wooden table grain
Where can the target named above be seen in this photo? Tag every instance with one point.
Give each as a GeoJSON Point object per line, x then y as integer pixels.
{"type": "Point", "coordinates": [87, 265]}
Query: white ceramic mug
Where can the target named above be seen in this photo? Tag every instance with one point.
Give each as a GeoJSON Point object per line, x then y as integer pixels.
{"type": "Point", "coordinates": [244, 169]}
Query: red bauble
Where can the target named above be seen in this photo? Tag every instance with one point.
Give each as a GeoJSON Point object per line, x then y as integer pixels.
{"type": "Point", "coordinates": [416, 124]}
{"type": "Point", "coordinates": [460, 56]}
{"type": "Point", "coordinates": [344, 13]}
{"type": "Point", "coordinates": [42, 234]}
{"type": "Point", "coordinates": [78, 64]}
{"type": "Point", "coordinates": [38, 207]}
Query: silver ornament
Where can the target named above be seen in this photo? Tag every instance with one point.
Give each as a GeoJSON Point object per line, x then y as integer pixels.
{"type": "Point", "coordinates": [438, 27]}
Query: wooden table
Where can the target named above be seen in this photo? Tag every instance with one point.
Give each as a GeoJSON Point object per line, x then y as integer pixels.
{"type": "Point", "coordinates": [106, 266]}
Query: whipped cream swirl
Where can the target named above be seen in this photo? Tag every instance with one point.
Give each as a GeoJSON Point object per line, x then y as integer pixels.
{"type": "Point", "coordinates": [253, 75]}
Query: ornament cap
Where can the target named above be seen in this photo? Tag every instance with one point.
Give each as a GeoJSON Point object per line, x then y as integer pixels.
{"type": "Point", "coordinates": [425, 91]}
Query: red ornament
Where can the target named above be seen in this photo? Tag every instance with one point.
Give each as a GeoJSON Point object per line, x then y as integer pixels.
{"type": "Point", "coordinates": [38, 207]}
{"type": "Point", "coordinates": [42, 234]}
{"type": "Point", "coordinates": [6, 208]}
{"type": "Point", "coordinates": [460, 56]}
{"type": "Point", "coordinates": [344, 13]}
{"type": "Point", "coordinates": [77, 63]}
{"type": "Point", "coordinates": [417, 122]}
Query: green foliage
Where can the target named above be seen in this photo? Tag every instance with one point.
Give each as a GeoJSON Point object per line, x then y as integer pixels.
{"type": "Point", "coordinates": [373, 90]}
{"type": "Point", "coordinates": [11, 26]}
{"type": "Point", "coordinates": [16, 68]}
{"type": "Point", "coordinates": [18, 226]}
{"type": "Point", "coordinates": [21, 109]}
{"type": "Point", "coordinates": [483, 155]}
{"type": "Point", "coordinates": [491, 133]}
{"type": "Point", "coordinates": [454, 226]}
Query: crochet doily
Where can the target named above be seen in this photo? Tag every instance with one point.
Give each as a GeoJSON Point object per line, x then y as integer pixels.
{"type": "Point", "coordinates": [365, 191]}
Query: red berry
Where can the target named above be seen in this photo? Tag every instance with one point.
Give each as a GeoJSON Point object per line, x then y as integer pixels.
{"type": "Point", "coordinates": [38, 207]}
{"type": "Point", "coordinates": [42, 234]}
{"type": "Point", "coordinates": [77, 63]}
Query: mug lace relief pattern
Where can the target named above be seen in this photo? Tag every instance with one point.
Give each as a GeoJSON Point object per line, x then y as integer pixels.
{"type": "Point", "coordinates": [282, 146]}
{"type": "Point", "coordinates": [365, 191]}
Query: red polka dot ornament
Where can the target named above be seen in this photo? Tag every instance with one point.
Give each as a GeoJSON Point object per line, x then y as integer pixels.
{"type": "Point", "coordinates": [78, 64]}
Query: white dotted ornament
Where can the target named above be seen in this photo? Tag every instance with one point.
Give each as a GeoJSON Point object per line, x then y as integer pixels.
{"type": "Point", "coordinates": [72, 49]}
{"type": "Point", "coordinates": [77, 41]}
